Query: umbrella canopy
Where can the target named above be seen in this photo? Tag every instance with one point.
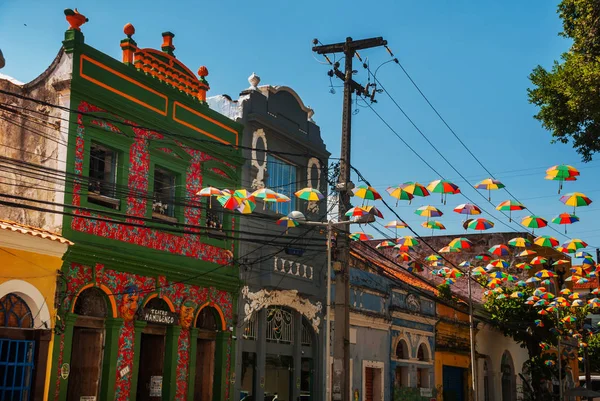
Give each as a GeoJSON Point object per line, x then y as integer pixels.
{"type": "Point", "coordinates": [433, 225]}
{"type": "Point", "coordinates": [546, 240]}
{"type": "Point", "coordinates": [561, 262]}
{"type": "Point", "coordinates": [478, 271]}
{"type": "Point", "coordinates": [403, 256]}
{"type": "Point", "coordinates": [229, 202]}
{"type": "Point", "coordinates": [519, 242]}
{"type": "Point", "coordinates": [287, 223]}
{"type": "Point", "coordinates": [449, 249]}
{"type": "Point", "coordinates": [499, 250]}
{"type": "Point", "coordinates": [395, 224]}
{"type": "Point", "coordinates": [527, 252]}
{"type": "Point", "coordinates": [489, 184]}
{"type": "Point", "coordinates": [544, 274]}
{"type": "Point", "coordinates": [366, 192]}
{"type": "Point", "coordinates": [247, 206]}
{"type": "Point", "coordinates": [415, 189]}
{"type": "Point", "coordinates": [385, 244]}
{"type": "Point", "coordinates": [372, 210]}
{"type": "Point", "coordinates": [538, 260]}
{"type": "Point", "coordinates": [560, 173]}
{"type": "Point", "coordinates": [479, 224]}
{"type": "Point", "coordinates": [534, 222]}
{"type": "Point", "coordinates": [407, 241]}
{"type": "Point", "coordinates": [209, 191]}
{"type": "Point", "coordinates": [242, 194]}
{"type": "Point", "coordinates": [414, 266]}
{"type": "Point", "coordinates": [523, 265]}
{"type": "Point", "coordinates": [594, 303]}
{"type": "Point", "coordinates": [510, 206]}
{"type": "Point", "coordinates": [433, 258]}
{"type": "Point", "coordinates": [443, 187]}
{"type": "Point", "coordinates": [575, 199]}
{"type": "Point", "coordinates": [467, 208]}
{"type": "Point", "coordinates": [360, 236]}
{"type": "Point", "coordinates": [428, 211]}
{"type": "Point", "coordinates": [356, 211]}
{"type": "Point", "coordinates": [309, 194]}
{"type": "Point", "coordinates": [400, 194]}
{"type": "Point", "coordinates": [573, 245]}
{"type": "Point", "coordinates": [265, 194]}
{"type": "Point", "coordinates": [565, 218]}
{"type": "Point", "coordinates": [583, 254]}
{"type": "Point", "coordinates": [460, 243]}
{"type": "Point", "coordinates": [483, 257]}
{"type": "Point", "coordinates": [498, 264]}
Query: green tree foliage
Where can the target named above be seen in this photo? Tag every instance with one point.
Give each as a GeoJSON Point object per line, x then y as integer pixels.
{"type": "Point", "coordinates": [593, 353]}
{"type": "Point", "coordinates": [516, 319]}
{"type": "Point", "coordinates": [568, 95]}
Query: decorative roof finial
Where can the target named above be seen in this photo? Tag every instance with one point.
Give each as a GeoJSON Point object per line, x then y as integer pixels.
{"type": "Point", "coordinates": [167, 45]}
{"type": "Point", "coordinates": [203, 71]}
{"type": "Point", "coordinates": [254, 80]}
{"type": "Point", "coordinates": [129, 30]}
{"type": "Point", "coordinates": [75, 19]}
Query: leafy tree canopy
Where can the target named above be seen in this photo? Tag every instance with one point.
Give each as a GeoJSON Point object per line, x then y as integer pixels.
{"type": "Point", "coordinates": [568, 95]}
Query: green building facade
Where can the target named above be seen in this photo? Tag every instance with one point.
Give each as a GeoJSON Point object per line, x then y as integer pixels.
{"type": "Point", "coordinates": [147, 295]}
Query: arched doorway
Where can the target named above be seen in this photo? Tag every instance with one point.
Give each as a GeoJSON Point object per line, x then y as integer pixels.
{"type": "Point", "coordinates": [307, 370]}
{"type": "Point", "coordinates": [279, 360]}
{"type": "Point", "coordinates": [208, 324]}
{"type": "Point", "coordinates": [509, 388]}
{"type": "Point", "coordinates": [423, 372]}
{"type": "Point", "coordinates": [158, 314]}
{"type": "Point", "coordinates": [16, 355]}
{"type": "Point", "coordinates": [402, 371]}
{"type": "Point", "coordinates": [87, 345]}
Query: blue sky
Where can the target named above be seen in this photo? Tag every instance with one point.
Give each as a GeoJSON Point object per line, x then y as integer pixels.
{"type": "Point", "coordinates": [471, 59]}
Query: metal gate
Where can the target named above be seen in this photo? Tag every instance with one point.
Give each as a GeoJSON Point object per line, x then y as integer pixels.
{"type": "Point", "coordinates": [16, 369]}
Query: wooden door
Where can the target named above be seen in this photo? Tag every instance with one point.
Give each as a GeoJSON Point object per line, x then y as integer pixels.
{"type": "Point", "coordinates": [152, 358]}
{"type": "Point", "coordinates": [86, 362]}
{"type": "Point", "coordinates": [205, 370]}
{"type": "Point", "coordinates": [369, 382]}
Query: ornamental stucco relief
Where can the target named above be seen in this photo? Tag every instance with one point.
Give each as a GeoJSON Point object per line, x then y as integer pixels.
{"type": "Point", "coordinates": [264, 298]}
{"type": "Point", "coordinates": [261, 165]}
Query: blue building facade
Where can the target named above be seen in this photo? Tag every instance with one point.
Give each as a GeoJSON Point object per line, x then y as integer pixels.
{"type": "Point", "coordinates": [392, 328]}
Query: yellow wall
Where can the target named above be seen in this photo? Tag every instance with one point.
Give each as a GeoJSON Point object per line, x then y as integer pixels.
{"type": "Point", "coordinates": [40, 271]}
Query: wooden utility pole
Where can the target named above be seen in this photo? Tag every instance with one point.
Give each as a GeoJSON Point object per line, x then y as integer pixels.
{"type": "Point", "coordinates": [341, 347]}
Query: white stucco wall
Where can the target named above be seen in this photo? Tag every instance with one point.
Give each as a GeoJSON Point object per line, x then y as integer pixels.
{"type": "Point", "coordinates": [491, 345]}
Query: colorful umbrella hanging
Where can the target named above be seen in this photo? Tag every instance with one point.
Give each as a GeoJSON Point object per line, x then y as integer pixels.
{"type": "Point", "coordinates": [498, 264]}
{"type": "Point", "coordinates": [373, 211]}
{"type": "Point", "coordinates": [546, 240]}
{"type": "Point", "coordinates": [247, 205]}
{"type": "Point", "coordinates": [403, 257]}
{"type": "Point", "coordinates": [565, 218]}
{"type": "Point", "coordinates": [433, 225]}
{"type": "Point", "coordinates": [478, 271]}
{"type": "Point", "coordinates": [209, 192]}
{"type": "Point", "coordinates": [510, 206]}
{"type": "Point", "coordinates": [449, 249]}
{"type": "Point", "coordinates": [287, 223]}
{"type": "Point", "coordinates": [519, 242]}
{"type": "Point", "coordinates": [407, 241]}
{"type": "Point", "coordinates": [523, 266]}
{"type": "Point", "coordinates": [395, 224]}
{"type": "Point", "coordinates": [414, 266]}
{"type": "Point", "coordinates": [356, 211]}
{"type": "Point", "coordinates": [534, 222]}
{"type": "Point", "coordinates": [460, 243]}
{"type": "Point", "coordinates": [242, 194]}
{"type": "Point", "coordinates": [443, 187]}
{"type": "Point", "coordinates": [499, 250]}
{"type": "Point", "coordinates": [538, 260]}
{"type": "Point", "coordinates": [545, 274]}
{"type": "Point", "coordinates": [366, 193]}
{"type": "Point", "coordinates": [583, 254]}
{"type": "Point", "coordinates": [572, 246]}
{"type": "Point", "coordinates": [266, 195]}
{"type": "Point", "coordinates": [415, 189]}
{"type": "Point", "coordinates": [489, 184]}
{"type": "Point", "coordinates": [468, 209]}
{"type": "Point", "coordinates": [281, 198]}
{"type": "Point", "coordinates": [428, 211]}
{"type": "Point", "coordinates": [479, 224]}
{"type": "Point", "coordinates": [561, 262]}
{"type": "Point", "coordinates": [526, 253]}
{"type": "Point", "coordinates": [560, 173]}
{"type": "Point", "coordinates": [433, 258]}
{"type": "Point", "coordinates": [309, 194]}
{"type": "Point", "coordinates": [400, 194]}
{"type": "Point", "coordinates": [484, 257]}
{"type": "Point", "coordinates": [575, 199]}
{"type": "Point", "coordinates": [385, 244]}
{"type": "Point", "coordinates": [360, 236]}
{"type": "Point", "coordinates": [594, 303]}
{"type": "Point", "coordinates": [229, 202]}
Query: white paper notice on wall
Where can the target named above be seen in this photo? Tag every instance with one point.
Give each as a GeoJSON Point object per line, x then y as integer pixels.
{"type": "Point", "coordinates": [426, 392]}
{"type": "Point", "coordinates": [156, 386]}
{"type": "Point", "coordinates": [124, 371]}
{"type": "Point", "coordinates": [88, 398]}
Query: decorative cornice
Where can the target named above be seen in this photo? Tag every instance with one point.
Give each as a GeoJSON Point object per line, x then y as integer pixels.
{"type": "Point", "coordinates": [414, 318]}
{"type": "Point", "coordinates": [265, 298]}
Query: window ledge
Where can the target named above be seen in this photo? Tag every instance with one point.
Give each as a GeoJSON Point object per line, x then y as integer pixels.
{"type": "Point", "coordinates": [162, 217]}
{"type": "Point", "coordinates": [103, 200]}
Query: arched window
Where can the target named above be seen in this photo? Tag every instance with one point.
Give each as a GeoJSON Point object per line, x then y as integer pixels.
{"type": "Point", "coordinates": [422, 372]}
{"type": "Point", "coordinates": [280, 325]}
{"type": "Point", "coordinates": [14, 312]}
{"type": "Point", "coordinates": [509, 388]}
{"type": "Point", "coordinates": [402, 350]}
{"type": "Point", "coordinates": [91, 302]}
{"type": "Point", "coordinates": [422, 354]}
{"type": "Point", "coordinates": [207, 319]}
